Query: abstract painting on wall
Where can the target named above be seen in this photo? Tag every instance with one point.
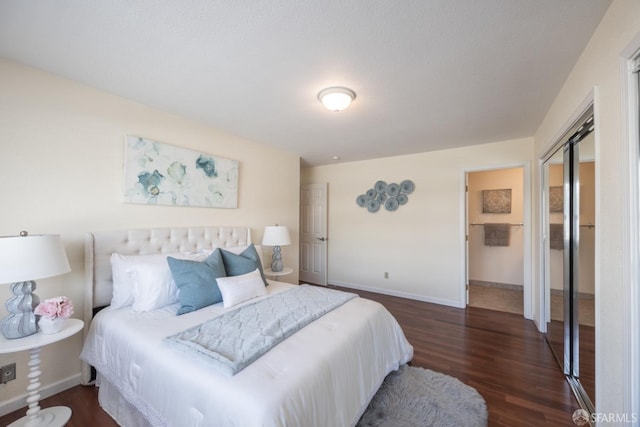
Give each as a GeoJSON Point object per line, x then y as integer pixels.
{"type": "Point", "coordinates": [496, 201]}
{"type": "Point", "coordinates": [161, 174]}
{"type": "Point", "coordinates": [556, 199]}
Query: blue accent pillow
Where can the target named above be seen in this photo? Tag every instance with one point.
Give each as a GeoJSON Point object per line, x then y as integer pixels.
{"type": "Point", "coordinates": [243, 263]}
{"type": "Point", "coordinates": [196, 281]}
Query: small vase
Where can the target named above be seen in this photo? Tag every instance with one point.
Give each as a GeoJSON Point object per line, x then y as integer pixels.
{"type": "Point", "coordinates": [51, 326]}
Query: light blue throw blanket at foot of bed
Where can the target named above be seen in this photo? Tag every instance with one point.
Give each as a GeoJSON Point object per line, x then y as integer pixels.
{"type": "Point", "coordinates": [237, 338]}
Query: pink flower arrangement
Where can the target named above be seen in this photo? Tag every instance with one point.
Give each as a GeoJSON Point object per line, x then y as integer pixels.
{"type": "Point", "coordinates": [55, 307]}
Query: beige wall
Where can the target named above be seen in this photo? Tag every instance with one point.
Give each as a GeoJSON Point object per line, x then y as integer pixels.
{"type": "Point", "coordinates": [421, 244]}
{"type": "Point", "coordinates": [61, 164]}
{"type": "Point", "coordinates": [61, 168]}
{"type": "Point", "coordinates": [598, 70]}
{"type": "Point", "coordinates": [497, 264]}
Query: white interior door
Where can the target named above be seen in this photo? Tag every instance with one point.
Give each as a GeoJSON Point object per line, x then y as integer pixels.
{"type": "Point", "coordinates": [313, 234]}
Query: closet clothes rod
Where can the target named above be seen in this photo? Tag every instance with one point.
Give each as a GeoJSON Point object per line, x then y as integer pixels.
{"type": "Point", "coordinates": [513, 225]}
{"type": "Point", "coordinates": [589, 226]}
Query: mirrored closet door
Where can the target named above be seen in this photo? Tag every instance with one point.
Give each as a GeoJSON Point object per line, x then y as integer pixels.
{"type": "Point", "coordinates": [569, 241]}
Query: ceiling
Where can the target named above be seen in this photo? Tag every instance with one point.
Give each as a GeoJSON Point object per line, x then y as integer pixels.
{"type": "Point", "coordinates": [428, 74]}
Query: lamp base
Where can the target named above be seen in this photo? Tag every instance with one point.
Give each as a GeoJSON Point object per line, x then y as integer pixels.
{"type": "Point", "coordinates": [21, 321]}
{"type": "Point", "coordinates": [56, 416]}
{"type": "Point", "coordinates": [276, 260]}
{"type": "Point", "coordinates": [50, 417]}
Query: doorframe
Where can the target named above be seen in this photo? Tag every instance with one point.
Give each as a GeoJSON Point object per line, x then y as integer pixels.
{"type": "Point", "coordinates": [527, 261]}
{"type": "Point", "coordinates": [559, 142]}
{"type": "Point", "coordinates": [631, 225]}
{"type": "Point", "coordinates": [543, 295]}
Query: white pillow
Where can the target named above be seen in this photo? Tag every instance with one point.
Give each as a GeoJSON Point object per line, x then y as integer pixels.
{"type": "Point", "coordinates": [237, 289]}
{"type": "Point", "coordinates": [145, 276]}
{"type": "Point", "coordinates": [153, 286]}
{"type": "Point", "coordinates": [122, 287]}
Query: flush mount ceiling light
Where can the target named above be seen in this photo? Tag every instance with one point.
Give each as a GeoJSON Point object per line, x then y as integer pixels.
{"type": "Point", "coordinates": [336, 98]}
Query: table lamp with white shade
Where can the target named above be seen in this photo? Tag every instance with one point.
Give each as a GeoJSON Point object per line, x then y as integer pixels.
{"type": "Point", "coordinates": [23, 259]}
{"type": "Point", "coordinates": [276, 236]}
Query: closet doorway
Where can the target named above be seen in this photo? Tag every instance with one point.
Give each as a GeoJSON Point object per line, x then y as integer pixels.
{"type": "Point", "coordinates": [495, 239]}
{"type": "Point", "coordinates": [569, 255]}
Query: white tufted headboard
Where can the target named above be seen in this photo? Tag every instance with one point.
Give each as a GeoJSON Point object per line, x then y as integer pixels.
{"type": "Point", "coordinates": [99, 246]}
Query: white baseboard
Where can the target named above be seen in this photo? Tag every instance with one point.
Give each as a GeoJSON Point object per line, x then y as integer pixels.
{"type": "Point", "coordinates": [20, 401]}
{"type": "Point", "coordinates": [400, 294]}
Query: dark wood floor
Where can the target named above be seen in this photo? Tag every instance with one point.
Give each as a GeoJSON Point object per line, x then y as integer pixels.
{"type": "Point", "coordinates": [500, 354]}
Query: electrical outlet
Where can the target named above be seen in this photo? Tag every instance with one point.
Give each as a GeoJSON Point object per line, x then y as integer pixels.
{"type": "Point", "coordinates": [386, 274]}
{"type": "Point", "coordinates": [8, 373]}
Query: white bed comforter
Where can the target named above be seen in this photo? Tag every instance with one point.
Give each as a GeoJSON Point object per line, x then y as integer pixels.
{"type": "Point", "coordinates": [324, 375]}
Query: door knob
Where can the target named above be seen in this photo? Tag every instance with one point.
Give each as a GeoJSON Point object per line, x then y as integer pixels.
{"type": "Point", "coordinates": [322, 239]}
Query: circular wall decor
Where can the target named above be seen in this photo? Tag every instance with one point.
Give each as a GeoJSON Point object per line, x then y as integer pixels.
{"type": "Point", "coordinates": [391, 204]}
{"type": "Point", "coordinates": [393, 190]}
{"type": "Point", "coordinates": [373, 205]}
{"type": "Point", "coordinates": [380, 187]}
{"type": "Point", "coordinates": [390, 195]}
{"type": "Point", "coordinates": [407, 186]}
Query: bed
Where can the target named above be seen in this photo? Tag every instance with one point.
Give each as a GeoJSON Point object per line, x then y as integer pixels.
{"type": "Point", "coordinates": [324, 374]}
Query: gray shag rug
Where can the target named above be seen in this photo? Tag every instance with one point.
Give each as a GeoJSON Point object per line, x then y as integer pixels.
{"type": "Point", "coordinates": [413, 397]}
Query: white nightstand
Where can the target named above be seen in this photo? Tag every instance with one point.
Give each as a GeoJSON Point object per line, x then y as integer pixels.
{"type": "Point", "coordinates": [275, 274]}
{"type": "Point", "coordinates": [56, 416]}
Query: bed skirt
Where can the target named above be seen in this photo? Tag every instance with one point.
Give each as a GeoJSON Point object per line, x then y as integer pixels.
{"type": "Point", "coordinates": [119, 408]}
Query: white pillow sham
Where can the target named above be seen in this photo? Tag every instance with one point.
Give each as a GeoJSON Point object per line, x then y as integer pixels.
{"type": "Point", "coordinates": [237, 289]}
{"type": "Point", "coordinates": [153, 287]}
{"type": "Point", "coordinates": [145, 281]}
